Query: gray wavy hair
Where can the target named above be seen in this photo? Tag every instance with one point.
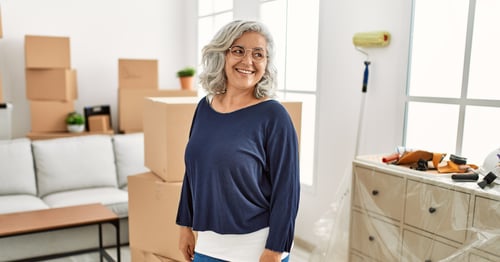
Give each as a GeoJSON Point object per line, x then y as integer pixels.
{"type": "Point", "coordinates": [213, 78]}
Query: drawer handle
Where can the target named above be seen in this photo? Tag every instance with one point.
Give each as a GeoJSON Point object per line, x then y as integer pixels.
{"type": "Point", "coordinates": [371, 238]}
{"type": "Point", "coordinates": [428, 260]}
{"type": "Point", "coordinates": [375, 192]}
{"type": "Point", "coordinates": [432, 210]}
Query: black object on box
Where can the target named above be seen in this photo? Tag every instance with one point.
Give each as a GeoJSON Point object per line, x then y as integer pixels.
{"type": "Point", "coordinates": [96, 110]}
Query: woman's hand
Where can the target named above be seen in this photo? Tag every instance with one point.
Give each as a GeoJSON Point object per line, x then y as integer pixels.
{"type": "Point", "coordinates": [270, 256]}
{"type": "Point", "coordinates": [186, 243]}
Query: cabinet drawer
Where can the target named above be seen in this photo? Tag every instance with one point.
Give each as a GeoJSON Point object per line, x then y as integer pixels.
{"type": "Point", "coordinates": [379, 192]}
{"type": "Point", "coordinates": [487, 222]}
{"type": "Point", "coordinates": [420, 248]}
{"type": "Point", "coordinates": [437, 210]}
{"type": "Point", "coordinates": [374, 238]}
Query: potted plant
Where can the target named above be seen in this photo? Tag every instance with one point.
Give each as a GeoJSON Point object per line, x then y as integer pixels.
{"type": "Point", "coordinates": [75, 122]}
{"type": "Point", "coordinates": [186, 76]}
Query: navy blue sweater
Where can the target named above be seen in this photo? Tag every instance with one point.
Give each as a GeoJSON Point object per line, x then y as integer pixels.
{"type": "Point", "coordinates": [242, 173]}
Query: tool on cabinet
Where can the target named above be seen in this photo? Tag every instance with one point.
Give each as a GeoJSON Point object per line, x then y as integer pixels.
{"type": "Point", "coordinates": [467, 177]}
{"type": "Point", "coordinates": [487, 180]}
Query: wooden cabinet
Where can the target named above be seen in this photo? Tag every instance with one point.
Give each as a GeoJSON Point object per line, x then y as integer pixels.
{"type": "Point", "coordinates": [379, 193]}
{"type": "Point", "coordinates": [437, 209]}
{"type": "Point", "coordinates": [487, 221]}
{"type": "Point", "coordinates": [400, 214]}
{"type": "Point", "coordinates": [422, 248]}
{"type": "Point", "coordinates": [370, 235]}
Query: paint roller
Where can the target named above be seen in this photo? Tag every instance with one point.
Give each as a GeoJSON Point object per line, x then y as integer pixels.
{"type": "Point", "coordinates": [370, 39]}
{"type": "Point", "coordinates": [367, 40]}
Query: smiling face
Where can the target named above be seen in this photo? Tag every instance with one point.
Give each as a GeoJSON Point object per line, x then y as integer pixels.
{"type": "Point", "coordinates": [243, 73]}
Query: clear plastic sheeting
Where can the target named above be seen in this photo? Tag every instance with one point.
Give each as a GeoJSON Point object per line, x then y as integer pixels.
{"type": "Point", "coordinates": [394, 213]}
{"type": "Point", "coordinates": [332, 228]}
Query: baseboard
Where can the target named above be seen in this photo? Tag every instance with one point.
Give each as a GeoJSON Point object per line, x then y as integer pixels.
{"type": "Point", "coordinates": [303, 244]}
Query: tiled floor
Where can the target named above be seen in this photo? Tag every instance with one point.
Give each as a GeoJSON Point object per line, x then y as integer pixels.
{"type": "Point", "coordinates": [298, 255]}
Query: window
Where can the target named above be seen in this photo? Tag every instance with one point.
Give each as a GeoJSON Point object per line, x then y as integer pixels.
{"type": "Point", "coordinates": [453, 104]}
{"type": "Point", "coordinates": [290, 22]}
{"type": "Point", "coordinates": [212, 15]}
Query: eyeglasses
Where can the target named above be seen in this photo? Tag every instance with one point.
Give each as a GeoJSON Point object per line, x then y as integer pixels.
{"type": "Point", "coordinates": [258, 54]}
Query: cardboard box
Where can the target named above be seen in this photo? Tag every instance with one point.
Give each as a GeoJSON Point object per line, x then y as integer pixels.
{"type": "Point", "coordinates": [294, 109]}
{"type": "Point", "coordinates": [138, 74]}
{"type": "Point", "coordinates": [131, 105]}
{"type": "Point", "coordinates": [51, 84]}
{"type": "Point", "coordinates": [139, 255]}
{"type": "Point", "coordinates": [167, 121]}
{"type": "Point", "coordinates": [152, 211]}
{"type": "Point", "coordinates": [99, 123]}
{"type": "Point", "coordinates": [50, 116]}
{"type": "Point", "coordinates": [47, 52]}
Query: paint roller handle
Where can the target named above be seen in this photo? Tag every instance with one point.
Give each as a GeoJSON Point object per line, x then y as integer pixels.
{"type": "Point", "coordinates": [365, 77]}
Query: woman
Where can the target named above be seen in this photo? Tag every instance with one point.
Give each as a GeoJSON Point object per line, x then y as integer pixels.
{"type": "Point", "coordinates": [241, 187]}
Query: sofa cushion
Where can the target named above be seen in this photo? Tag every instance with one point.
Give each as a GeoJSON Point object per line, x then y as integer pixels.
{"type": "Point", "coordinates": [17, 173]}
{"type": "Point", "coordinates": [71, 163]}
{"type": "Point", "coordinates": [129, 154]}
{"type": "Point", "coordinates": [18, 203]}
{"type": "Point", "coordinates": [115, 199]}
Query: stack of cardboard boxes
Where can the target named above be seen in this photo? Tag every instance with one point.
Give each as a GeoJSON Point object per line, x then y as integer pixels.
{"type": "Point", "coordinates": [50, 82]}
{"type": "Point", "coordinates": [154, 196]}
{"type": "Point", "coordinates": [137, 79]}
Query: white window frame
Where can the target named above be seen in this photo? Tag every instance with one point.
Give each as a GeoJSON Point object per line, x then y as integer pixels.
{"type": "Point", "coordinates": [462, 102]}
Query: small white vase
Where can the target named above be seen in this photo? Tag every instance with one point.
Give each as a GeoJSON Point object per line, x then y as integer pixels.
{"type": "Point", "coordinates": [75, 128]}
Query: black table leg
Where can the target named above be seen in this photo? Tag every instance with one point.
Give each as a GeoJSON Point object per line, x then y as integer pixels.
{"type": "Point", "coordinates": [101, 249]}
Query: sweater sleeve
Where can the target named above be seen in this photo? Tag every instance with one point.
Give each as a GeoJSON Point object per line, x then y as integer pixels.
{"type": "Point", "coordinates": [185, 209]}
{"type": "Point", "coordinates": [283, 161]}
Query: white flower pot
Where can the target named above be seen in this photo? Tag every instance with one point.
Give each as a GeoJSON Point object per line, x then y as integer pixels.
{"type": "Point", "coordinates": [76, 128]}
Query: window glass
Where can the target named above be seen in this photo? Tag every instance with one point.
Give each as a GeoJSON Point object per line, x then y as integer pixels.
{"type": "Point", "coordinates": [273, 14]}
{"type": "Point", "coordinates": [462, 115]}
{"type": "Point", "coordinates": [302, 45]}
{"type": "Point", "coordinates": [432, 127]}
{"type": "Point", "coordinates": [484, 69]}
{"type": "Point", "coordinates": [437, 53]}
{"type": "Point", "coordinates": [481, 132]}
{"type": "Point", "coordinates": [209, 7]}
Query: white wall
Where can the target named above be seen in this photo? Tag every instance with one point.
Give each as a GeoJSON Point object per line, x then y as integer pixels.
{"type": "Point", "coordinates": [100, 33]}
{"type": "Point", "coordinates": [103, 31]}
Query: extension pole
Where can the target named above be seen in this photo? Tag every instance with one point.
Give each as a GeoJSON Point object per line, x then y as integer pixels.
{"type": "Point", "coordinates": [364, 89]}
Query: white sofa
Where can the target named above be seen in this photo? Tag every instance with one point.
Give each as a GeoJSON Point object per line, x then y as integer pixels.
{"type": "Point", "coordinates": [63, 172]}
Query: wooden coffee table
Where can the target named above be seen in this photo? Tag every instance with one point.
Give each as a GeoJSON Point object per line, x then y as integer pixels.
{"type": "Point", "coordinates": [52, 219]}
